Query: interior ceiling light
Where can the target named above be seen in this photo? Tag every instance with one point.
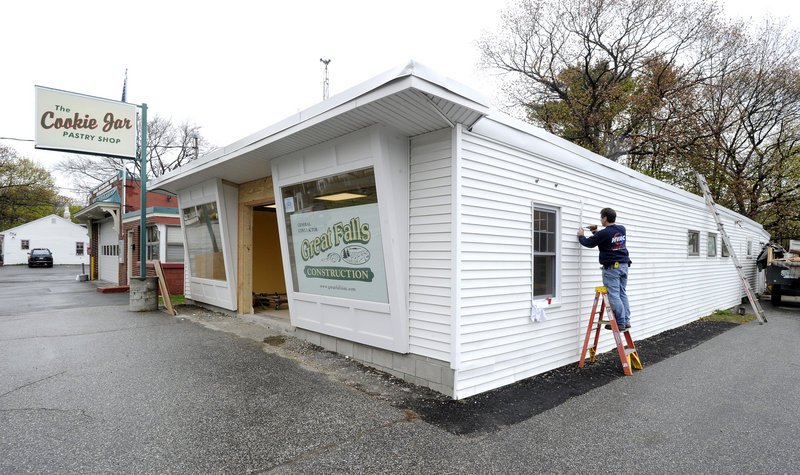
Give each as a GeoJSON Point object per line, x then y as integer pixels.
{"type": "Point", "coordinates": [340, 197]}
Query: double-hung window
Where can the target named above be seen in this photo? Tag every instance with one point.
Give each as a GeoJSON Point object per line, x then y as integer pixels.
{"type": "Point", "coordinates": [545, 251]}
{"type": "Point", "coordinates": [152, 243]}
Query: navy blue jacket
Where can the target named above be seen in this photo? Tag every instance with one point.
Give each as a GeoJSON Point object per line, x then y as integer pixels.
{"type": "Point", "coordinates": [612, 244]}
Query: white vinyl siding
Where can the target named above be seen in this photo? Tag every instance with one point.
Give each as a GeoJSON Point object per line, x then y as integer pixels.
{"type": "Point", "coordinates": [498, 340]}
{"type": "Point", "coordinates": [498, 343]}
{"type": "Point", "coordinates": [58, 234]}
{"type": "Point", "coordinates": [430, 245]}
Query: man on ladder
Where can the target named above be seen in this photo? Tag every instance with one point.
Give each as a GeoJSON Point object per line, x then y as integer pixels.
{"type": "Point", "coordinates": [612, 243]}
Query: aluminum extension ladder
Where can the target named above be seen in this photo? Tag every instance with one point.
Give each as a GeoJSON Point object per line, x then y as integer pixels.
{"type": "Point", "coordinates": [628, 355]}
{"type": "Point", "coordinates": [721, 228]}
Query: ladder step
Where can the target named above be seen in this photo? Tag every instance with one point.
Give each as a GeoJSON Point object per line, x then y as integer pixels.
{"type": "Point", "coordinates": [630, 351]}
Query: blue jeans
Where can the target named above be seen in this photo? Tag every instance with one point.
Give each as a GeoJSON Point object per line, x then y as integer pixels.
{"type": "Point", "coordinates": [615, 281]}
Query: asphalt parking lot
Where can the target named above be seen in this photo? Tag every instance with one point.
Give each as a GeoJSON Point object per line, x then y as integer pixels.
{"type": "Point", "coordinates": [27, 289]}
{"type": "Point", "coordinates": [86, 386]}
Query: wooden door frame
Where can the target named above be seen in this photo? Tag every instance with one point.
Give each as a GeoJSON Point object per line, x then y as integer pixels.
{"type": "Point", "coordinates": [251, 194]}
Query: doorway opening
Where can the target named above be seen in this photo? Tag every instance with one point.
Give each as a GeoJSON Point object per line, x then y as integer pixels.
{"type": "Point", "coordinates": [268, 282]}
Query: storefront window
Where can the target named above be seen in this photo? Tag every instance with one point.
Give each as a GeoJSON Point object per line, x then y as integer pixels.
{"type": "Point", "coordinates": [204, 241]}
{"type": "Point", "coordinates": [334, 234]}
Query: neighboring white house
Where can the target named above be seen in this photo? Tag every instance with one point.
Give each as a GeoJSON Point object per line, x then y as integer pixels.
{"type": "Point", "coordinates": [415, 227]}
{"type": "Point", "coordinates": [67, 241]}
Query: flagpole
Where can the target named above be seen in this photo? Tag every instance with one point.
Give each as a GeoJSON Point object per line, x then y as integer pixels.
{"type": "Point", "coordinates": [125, 85]}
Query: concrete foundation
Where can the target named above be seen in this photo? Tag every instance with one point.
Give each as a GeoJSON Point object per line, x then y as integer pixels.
{"type": "Point", "coordinates": [420, 370]}
{"type": "Point", "coordinates": [143, 294]}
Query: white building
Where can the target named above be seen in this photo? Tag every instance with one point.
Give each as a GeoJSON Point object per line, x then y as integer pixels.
{"type": "Point", "coordinates": [413, 227]}
{"type": "Point", "coordinates": [67, 241]}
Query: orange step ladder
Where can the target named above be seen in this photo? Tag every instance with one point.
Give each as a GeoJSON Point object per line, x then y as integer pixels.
{"type": "Point", "coordinates": [628, 355]}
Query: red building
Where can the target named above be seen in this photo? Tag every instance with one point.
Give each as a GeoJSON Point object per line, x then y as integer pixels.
{"type": "Point", "coordinates": [113, 219]}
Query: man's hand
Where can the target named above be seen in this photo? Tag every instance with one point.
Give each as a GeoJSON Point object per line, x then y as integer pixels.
{"type": "Point", "coordinates": [580, 232]}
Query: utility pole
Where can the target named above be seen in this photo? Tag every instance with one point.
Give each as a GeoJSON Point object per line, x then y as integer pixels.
{"type": "Point", "coordinates": [325, 78]}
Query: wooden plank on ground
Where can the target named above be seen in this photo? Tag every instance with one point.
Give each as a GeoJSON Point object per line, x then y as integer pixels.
{"type": "Point", "coordinates": [162, 285]}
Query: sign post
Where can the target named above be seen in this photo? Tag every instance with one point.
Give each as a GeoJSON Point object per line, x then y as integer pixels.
{"type": "Point", "coordinates": [70, 122]}
{"type": "Point", "coordinates": [143, 214]}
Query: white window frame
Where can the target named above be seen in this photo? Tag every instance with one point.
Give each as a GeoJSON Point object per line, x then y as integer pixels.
{"type": "Point", "coordinates": [692, 251]}
{"type": "Point", "coordinates": [556, 290]}
{"type": "Point", "coordinates": [709, 238]}
{"type": "Point", "coordinates": [153, 245]}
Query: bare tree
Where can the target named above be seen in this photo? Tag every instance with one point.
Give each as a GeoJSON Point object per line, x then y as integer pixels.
{"type": "Point", "coordinates": [607, 72]}
{"type": "Point", "coordinates": [667, 87]}
{"type": "Point", "coordinates": [752, 113]}
{"type": "Point", "coordinates": [168, 147]}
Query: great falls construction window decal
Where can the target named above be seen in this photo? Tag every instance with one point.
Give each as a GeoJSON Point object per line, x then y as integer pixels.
{"type": "Point", "coordinates": [25, 244]}
{"type": "Point", "coordinates": [334, 233]}
{"type": "Point", "coordinates": [694, 243]}
{"type": "Point", "coordinates": [545, 251]}
{"type": "Point", "coordinates": [204, 241]}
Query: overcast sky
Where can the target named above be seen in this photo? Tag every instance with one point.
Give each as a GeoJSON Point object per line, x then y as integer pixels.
{"type": "Point", "coordinates": [235, 67]}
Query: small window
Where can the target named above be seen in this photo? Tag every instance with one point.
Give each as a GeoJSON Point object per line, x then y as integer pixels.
{"type": "Point", "coordinates": [110, 250]}
{"type": "Point", "coordinates": [152, 243]}
{"type": "Point", "coordinates": [712, 245]}
{"type": "Point", "coordinates": [78, 248]}
{"type": "Point", "coordinates": [725, 251]}
{"type": "Point", "coordinates": [694, 243]}
{"type": "Point", "coordinates": [174, 244]}
{"type": "Point", "coordinates": [25, 244]}
{"type": "Point", "coordinates": [749, 248]}
{"type": "Point", "coordinates": [544, 252]}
